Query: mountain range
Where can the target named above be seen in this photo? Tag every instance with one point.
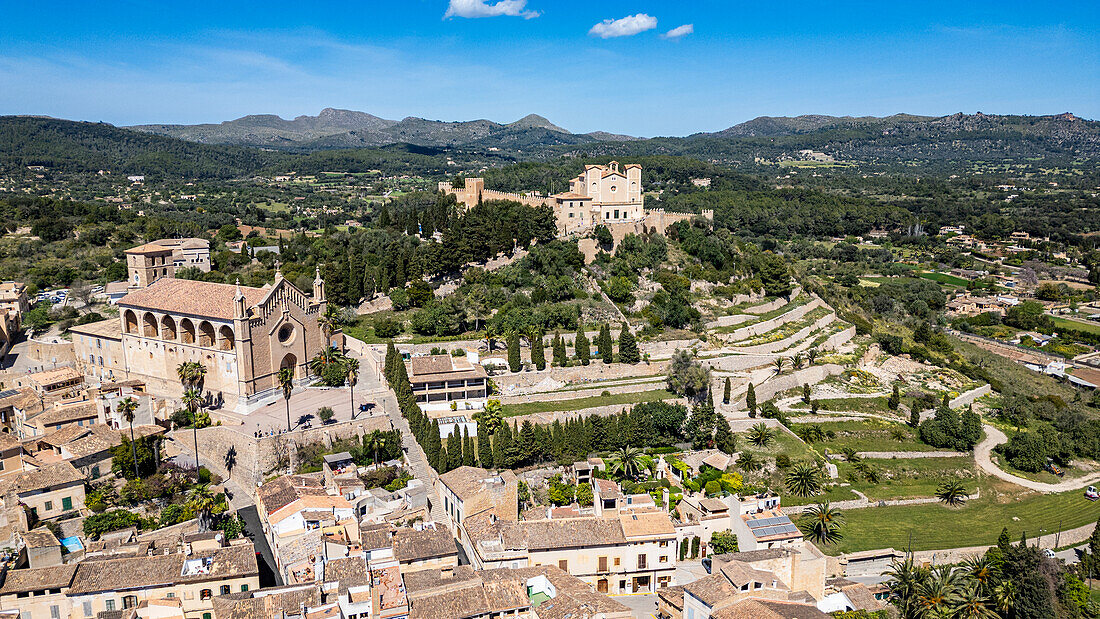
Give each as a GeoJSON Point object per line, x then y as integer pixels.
{"type": "Point", "coordinates": [334, 129]}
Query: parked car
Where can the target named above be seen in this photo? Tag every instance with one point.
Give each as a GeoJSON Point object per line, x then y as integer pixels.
{"type": "Point", "coordinates": [1048, 553]}
{"type": "Point", "coordinates": [1091, 493]}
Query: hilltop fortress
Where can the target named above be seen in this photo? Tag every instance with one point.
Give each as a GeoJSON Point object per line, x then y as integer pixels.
{"type": "Point", "coordinates": [600, 195]}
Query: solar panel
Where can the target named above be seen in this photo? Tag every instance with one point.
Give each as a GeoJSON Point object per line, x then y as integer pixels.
{"type": "Point", "coordinates": [774, 530]}
{"type": "Point", "coordinates": [8, 393]}
{"type": "Point", "coordinates": [767, 522]}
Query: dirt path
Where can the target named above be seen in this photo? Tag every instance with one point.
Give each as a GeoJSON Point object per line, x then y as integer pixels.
{"type": "Point", "coordinates": [983, 455]}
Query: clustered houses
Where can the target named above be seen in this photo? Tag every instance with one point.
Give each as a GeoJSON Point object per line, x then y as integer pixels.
{"type": "Point", "coordinates": [440, 381]}
{"type": "Point", "coordinates": [243, 336]}
{"type": "Point", "coordinates": [13, 304]}
{"type": "Point", "coordinates": [628, 550]}
{"type": "Point", "coordinates": [170, 580]}
{"type": "Point", "coordinates": [758, 521]}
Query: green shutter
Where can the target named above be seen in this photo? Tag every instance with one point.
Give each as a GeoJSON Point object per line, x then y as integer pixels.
{"type": "Point", "coordinates": [67, 503]}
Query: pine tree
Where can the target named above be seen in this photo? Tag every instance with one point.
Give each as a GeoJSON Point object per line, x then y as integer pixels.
{"type": "Point", "coordinates": [628, 346]}
{"type": "Point", "coordinates": [467, 448]}
{"type": "Point", "coordinates": [538, 355]}
{"type": "Point", "coordinates": [559, 350]}
{"type": "Point", "coordinates": [580, 344]}
{"type": "Point", "coordinates": [513, 352]}
{"type": "Point", "coordinates": [726, 391]}
{"type": "Point", "coordinates": [750, 400]}
{"type": "Point", "coordinates": [607, 351]}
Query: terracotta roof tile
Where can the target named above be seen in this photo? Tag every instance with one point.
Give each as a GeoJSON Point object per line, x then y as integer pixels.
{"type": "Point", "coordinates": [196, 298]}
{"type": "Point", "coordinates": [36, 579]}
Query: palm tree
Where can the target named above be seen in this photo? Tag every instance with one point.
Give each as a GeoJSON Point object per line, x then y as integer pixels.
{"type": "Point", "coordinates": [351, 364]}
{"type": "Point", "coordinates": [628, 462]}
{"type": "Point", "coordinates": [201, 503]}
{"type": "Point", "coordinates": [761, 435]}
{"type": "Point", "coordinates": [796, 361]}
{"type": "Point", "coordinates": [192, 399]}
{"type": "Point", "coordinates": [191, 373]}
{"type": "Point", "coordinates": [940, 593]}
{"type": "Point", "coordinates": [821, 523]}
{"type": "Point", "coordinates": [811, 355]}
{"type": "Point", "coordinates": [850, 454]}
{"type": "Point", "coordinates": [747, 461]}
{"type": "Point", "coordinates": [778, 365]}
{"type": "Point", "coordinates": [980, 569]}
{"type": "Point", "coordinates": [905, 578]}
{"type": "Point", "coordinates": [803, 480]}
{"type": "Point", "coordinates": [328, 355]}
{"type": "Point", "coordinates": [328, 322]}
{"type": "Point", "coordinates": [376, 441]}
{"type": "Point", "coordinates": [491, 418]}
{"type": "Point", "coordinates": [286, 383]}
{"type": "Point", "coordinates": [952, 493]}
{"type": "Point", "coordinates": [1004, 596]}
{"type": "Point", "coordinates": [128, 409]}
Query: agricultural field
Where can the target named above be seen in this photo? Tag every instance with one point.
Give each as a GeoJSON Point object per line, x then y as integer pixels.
{"type": "Point", "coordinates": [865, 435]}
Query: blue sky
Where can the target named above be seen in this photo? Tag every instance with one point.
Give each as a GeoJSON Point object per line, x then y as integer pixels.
{"type": "Point", "coordinates": [141, 62]}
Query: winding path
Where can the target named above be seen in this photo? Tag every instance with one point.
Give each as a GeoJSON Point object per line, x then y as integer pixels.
{"type": "Point", "coordinates": [983, 455]}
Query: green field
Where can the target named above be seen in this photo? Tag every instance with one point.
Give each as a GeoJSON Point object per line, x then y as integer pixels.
{"type": "Point", "coordinates": [979, 522]}
{"type": "Point", "coordinates": [944, 278]}
{"type": "Point", "coordinates": [1080, 325]}
{"type": "Point", "coordinates": [867, 435]}
{"type": "Point", "coordinates": [855, 405]}
{"type": "Point", "coordinates": [530, 408]}
{"type": "Point", "coordinates": [913, 477]}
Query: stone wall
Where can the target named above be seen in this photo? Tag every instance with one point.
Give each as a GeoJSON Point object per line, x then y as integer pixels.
{"type": "Point", "coordinates": [783, 344]}
{"type": "Point", "coordinates": [836, 340]}
{"type": "Point", "coordinates": [763, 327]}
{"type": "Point", "coordinates": [257, 458]}
{"type": "Point", "coordinates": [778, 384]}
{"type": "Point", "coordinates": [967, 398]}
{"type": "Point", "coordinates": [61, 353]}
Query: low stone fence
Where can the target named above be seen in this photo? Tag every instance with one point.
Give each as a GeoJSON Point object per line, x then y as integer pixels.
{"type": "Point", "coordinates": [729, 321]}
{"type": "Point", "coordinates": [836, 340]}
{"type": "Point", "coordinates": [763, 327]}
{"type": "Point", "coordinates": [968, 398]}
{"type": "Point", "coordinates": [778, 384]}
{"type": "Point", "coordinates": [787, 342]}
{"type": "Point", "coordinates": [773, 305]}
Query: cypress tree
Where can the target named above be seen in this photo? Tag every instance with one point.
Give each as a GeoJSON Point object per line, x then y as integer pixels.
{"type": "Point", "coordinates": [806, 393]}
{"type": "Point", "coordinates": [484, 448]}
{"type": "Point", "coordinates": [750, 400]}
{"type": "Point", "coordinates": [559, 350]}
{"type": "Point", "coordinates": [538, 355]}
{"type": "Point", "coordinates": [467, 448]}
{"type": "Point", "coordinates": [723, 437]}
{"type": "Point", "coordinates": [628, 346]}
{"type": "Point", "coordinates": [513, 351]}
{"type": "Point", "coordinates": [581, 346]}
{"type": "Point", "coordinates": [454, 450]}
{"type": "Point", "coordinates": [502, 440]}
{"type": "Point", "coordinates": [893, 402]}
{"type": "Point", "coordinates": [607, 351]}
{"type": "Point", "coordinates": [726, 391]}
{"type": "Point", "coordinates": [433, 445]}
{"type": "Point", "coordinates": [914, 418]}
{"type": "Point", "coordinates": [391, 356]}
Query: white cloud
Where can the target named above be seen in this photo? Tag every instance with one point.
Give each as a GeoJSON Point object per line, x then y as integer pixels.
{"type": "Point", "coordinates": [679, 31]}
{"type": "Point", "coordinates": [482, 8]}
{"type": "Point", "coordinates": [625, 27]}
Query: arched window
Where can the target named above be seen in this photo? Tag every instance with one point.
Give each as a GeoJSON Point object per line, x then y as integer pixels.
{"type": "Point", "coordinates": [150, 323]}
{"type": "Point", "coordinates": [168, 328]}
{"type": "Point", "coordinates": [131, 322]}
{"type": "Point", "coordinates": [205, 594]}
{"type": "Point", "coordinates": [206, 334]}
{"type": "Point", "coordinates": [225, 337]}
{"type": "Point", "coordinates": [187, 331]}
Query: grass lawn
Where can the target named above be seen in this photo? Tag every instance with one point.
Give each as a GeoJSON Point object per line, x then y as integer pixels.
{"type": "Point", "coordinates": [529, 408]}
{"type": "Point", "coordinates": [944, 278]}
{"type": "Point", "coordinates": [979, 522]}
{"type": "Point", "coordinates": [913, 477]}
{"type": "Point", "coordinates": [868, 435]}
{"type": "Point", "coordinates": [833, 494]}
{"type": "Point", "coordinates": [854, 405]}
{"type": "Point", "coordinates": [1080, 325]}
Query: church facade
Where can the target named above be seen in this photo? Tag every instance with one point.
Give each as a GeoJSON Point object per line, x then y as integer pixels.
{"type": "Point", "coordinates": [242, 335]}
